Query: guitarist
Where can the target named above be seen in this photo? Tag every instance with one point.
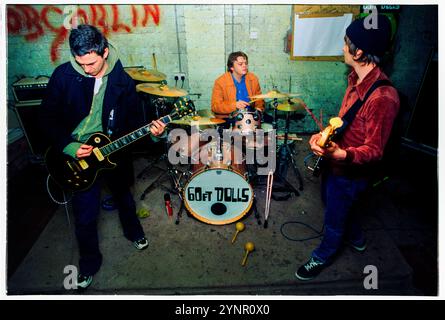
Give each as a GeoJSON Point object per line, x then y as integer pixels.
{"type": "Point", "coordinates": [360, 144]}
{"type": "Point", "coordinates": [92, 93]}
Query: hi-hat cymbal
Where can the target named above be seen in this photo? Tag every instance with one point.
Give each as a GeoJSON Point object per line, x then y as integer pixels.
{"type": "Point", "coordinates": [288, 107]}
{"type": "Point", "coordinates": [160, 90]}
{"type": "Point", "coordinates": [295, 104]}
{"type": "Point", "coordinates": [274, 94]}
{"type": "Point", "coordinates": [144, 75]}
{"type": "Point", "coordinates": [198, 120]}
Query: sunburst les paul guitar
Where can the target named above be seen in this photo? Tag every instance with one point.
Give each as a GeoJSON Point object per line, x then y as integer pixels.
{"type": "Point", "coordinates": [79, 174]}
{"type": "Point", "coordinates": [325, 141]}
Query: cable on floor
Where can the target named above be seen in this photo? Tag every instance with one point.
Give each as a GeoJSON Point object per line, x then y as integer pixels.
{"type": "Point", "coordinates": [318, 233]}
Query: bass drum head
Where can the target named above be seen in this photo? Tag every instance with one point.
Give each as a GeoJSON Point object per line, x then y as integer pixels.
{"type": "Point", "coordinates": [218, 196]}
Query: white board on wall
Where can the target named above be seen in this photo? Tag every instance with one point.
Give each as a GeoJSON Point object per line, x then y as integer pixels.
{"type": "Point", "coordinates": [319, 36]}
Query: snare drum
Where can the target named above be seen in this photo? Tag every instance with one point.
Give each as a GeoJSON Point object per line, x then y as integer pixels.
{"type": "Point", "coordinates": [218, 191]}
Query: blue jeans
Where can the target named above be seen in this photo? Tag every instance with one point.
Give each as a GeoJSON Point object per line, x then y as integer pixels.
{"type": "Point", "coordinates": [339, 195]}
{"type": "Point", "coordinates": [86, 209]}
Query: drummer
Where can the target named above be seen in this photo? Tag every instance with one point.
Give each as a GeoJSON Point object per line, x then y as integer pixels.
{"type": "Point", "coordinates": [231, 90]}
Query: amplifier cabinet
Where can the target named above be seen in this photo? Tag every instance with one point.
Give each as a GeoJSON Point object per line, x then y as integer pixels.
{"type": "Point", "coordinates": [30, 89]}
{"type": "Point", "coordinates": [28, 115]}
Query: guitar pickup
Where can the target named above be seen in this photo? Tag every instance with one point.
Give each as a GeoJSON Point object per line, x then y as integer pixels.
{"type": "Point", "coordinates": [98, 154]}
{"type": "Point", "coordinates": [83, 164]}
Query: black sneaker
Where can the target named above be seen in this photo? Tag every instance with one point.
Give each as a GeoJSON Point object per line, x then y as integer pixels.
{"type": "Point", "coordinates": [310, 269]}
{"type": "Point", "coordinates": [141, 244]}
{"type": "Point", "coordinates": [359, 247]}
{"type": "Point", "coordinates": [84, 282]}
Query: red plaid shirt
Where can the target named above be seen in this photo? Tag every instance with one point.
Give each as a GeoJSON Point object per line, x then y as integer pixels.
{"type": "Point", "coordinates": [365, 138]}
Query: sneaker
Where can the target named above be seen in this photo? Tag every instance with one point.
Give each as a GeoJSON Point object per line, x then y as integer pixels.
{"type": "Point", "coordinates": [310, 269]}
{"type": "Point", "coordinates": [360, 247]}
{"type": "Point", "coordinates": [141, 244]}
{"type": "Point", "coordinates": [84, 281]}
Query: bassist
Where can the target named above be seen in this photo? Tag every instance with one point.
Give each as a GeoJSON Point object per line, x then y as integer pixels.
{"type": "Point", "coordinates": [360, 145]}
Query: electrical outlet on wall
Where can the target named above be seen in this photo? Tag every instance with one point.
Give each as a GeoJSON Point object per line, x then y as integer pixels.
{"type": "Point", "coordinates": [179, 76]}
{"type": "Point", "coordinates": [253, 35]}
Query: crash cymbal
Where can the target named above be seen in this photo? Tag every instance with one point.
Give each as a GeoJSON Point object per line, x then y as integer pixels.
{"type": "Point", "coordinates": [198, 120]}
{"type": "Point", "coordinates": [160, 90]}
{"type": "Point", "coordinates": [274, 94]}
{"type": "Point", "coordinates": [144, 75]}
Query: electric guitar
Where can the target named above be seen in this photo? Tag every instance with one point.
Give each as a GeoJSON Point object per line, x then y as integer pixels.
{"type": "Point", "coordinates": [324, 142]}
{"type": "Point", "coordinates": [79, 174]}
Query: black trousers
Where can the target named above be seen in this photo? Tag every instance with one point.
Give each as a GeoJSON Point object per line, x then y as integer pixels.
{"type": "Point", "coordinates": [86, 209]}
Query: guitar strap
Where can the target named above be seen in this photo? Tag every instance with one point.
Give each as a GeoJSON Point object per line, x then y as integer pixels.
{"type": "Point", "coordinates": [351, 113]}
{"type": "Point", "coordinates": [110, 125]}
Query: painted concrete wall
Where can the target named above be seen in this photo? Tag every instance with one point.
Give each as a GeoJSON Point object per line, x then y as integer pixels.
{"type": "Point", "coordinates": [196, 39]}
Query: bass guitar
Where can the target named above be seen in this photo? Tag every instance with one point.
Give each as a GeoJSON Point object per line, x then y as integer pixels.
{"type": "Point", "coordinates": [79, 174]}
{"type": "Point", "coordinates": [324, 142]}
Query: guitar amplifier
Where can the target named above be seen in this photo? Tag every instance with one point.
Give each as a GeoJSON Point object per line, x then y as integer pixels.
{"type": "Point", "coordinates": [30, 90]}
{"type": "Point", "coordinates": [28, 114]}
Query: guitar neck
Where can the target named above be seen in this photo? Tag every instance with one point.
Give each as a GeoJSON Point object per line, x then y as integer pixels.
{"type": "Point", "coordinates": [130, 138]}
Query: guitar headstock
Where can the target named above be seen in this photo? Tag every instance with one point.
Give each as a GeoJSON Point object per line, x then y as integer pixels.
{"type": "Point", "coordinates": [328, 133]}
{"type": "Point", "coordinates": [182, 108]}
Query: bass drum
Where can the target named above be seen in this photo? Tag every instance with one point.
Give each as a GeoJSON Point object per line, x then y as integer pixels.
{"type": "Point", "coordinates": [218, 191]}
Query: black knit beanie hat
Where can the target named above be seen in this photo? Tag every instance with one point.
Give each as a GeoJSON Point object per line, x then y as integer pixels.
{"type": "Point", "coordinates": [373, 38]}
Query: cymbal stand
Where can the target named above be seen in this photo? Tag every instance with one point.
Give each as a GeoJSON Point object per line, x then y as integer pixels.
{"type": "Point", "coordinates": [160, 110]}
{"type": "Point", "coordinates": [287, 154]}
{"type": "Point", "coordinates": [275, 113]}
{"type": "Point", "coordinates": [174, 174]}
{"type": "Point", "coordinates": [160, 107]}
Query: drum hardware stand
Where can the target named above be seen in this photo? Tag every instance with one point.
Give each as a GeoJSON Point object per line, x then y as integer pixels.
{"type": "Point", "coordinates": [160, 107]}
{"type": "Point", "coordinates": [162, 157]}
{"type": "Point", "coordinates": [170, 171]}
{"type": "Point", "coordinates": [286, 154]}
{"type": "Point", "coordinates": [255, 210]}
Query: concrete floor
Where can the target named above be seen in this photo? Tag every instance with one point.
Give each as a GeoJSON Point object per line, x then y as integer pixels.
{"type": "Point", "coordinates": [194, 258]}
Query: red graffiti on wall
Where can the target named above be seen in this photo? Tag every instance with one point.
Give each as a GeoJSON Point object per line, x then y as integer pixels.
{"type": "Point", "coordinates": [27, 21]}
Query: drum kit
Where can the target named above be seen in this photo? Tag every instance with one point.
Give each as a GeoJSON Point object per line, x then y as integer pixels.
{"type": "Point", "coordinates": [214, 188]}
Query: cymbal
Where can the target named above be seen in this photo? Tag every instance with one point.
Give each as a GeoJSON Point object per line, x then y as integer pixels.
{"type": "Point", "coordinates": [198, 120]}
{"type": "Point", "coordinates": [144, 75]}
{"type": "Point", "coordinates": [286, 107]}
{"type": "Point", "coordinates": [160, 90]}
{"type": "Point", "coordinates": [295, 104]}
{"type": "Point", "coordinates": [274, 94]}
{"type": "Point", "coordinates": [205, 113]}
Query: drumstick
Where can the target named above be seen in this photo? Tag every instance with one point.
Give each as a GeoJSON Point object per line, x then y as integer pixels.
{"type": "Point", "coordinates": [281, 137]}
{"type": "Point", "coordinates": [255, 100]}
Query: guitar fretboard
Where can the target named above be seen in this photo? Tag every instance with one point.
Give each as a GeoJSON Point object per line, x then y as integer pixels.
{"type": "Point", "coordinates": [129, 138]}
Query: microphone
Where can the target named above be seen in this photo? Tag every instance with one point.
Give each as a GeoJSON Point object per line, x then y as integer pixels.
{"type": "Point", "coordinates": [168, 206]}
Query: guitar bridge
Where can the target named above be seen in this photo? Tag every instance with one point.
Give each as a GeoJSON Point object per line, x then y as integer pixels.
{"type": "Point", "coordinates": [83, 164]}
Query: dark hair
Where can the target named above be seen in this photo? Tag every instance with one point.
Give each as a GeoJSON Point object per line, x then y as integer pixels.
{"type": "Point", "coordinates": [232, 58]}
{"type": "Point", "coordinates": [85, 39]}
{"type": "Point", "coordinates": [365, 57]}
